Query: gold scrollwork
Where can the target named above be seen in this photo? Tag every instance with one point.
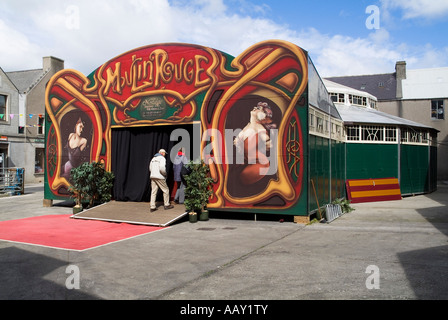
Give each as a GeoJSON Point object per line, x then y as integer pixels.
{"type": "Point", "coordinates": [293, 148]}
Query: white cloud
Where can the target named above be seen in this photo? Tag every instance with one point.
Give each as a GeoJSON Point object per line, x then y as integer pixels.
{"type": "Point", "coordinates": [343, 55]}
{"type": "Point", "coordinates": [17, 51]}
{"type": "Point", "coordinates": [418, 8]}
{"type": "Point", "coordinates": [97, 31]}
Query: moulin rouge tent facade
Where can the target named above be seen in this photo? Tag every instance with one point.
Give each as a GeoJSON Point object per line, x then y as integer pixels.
{"type": "Point", "coordinates": [136, 103]}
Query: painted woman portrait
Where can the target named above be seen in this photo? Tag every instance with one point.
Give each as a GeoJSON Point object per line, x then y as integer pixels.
{"type": "Point", "coordinates": [248, 175]}
{"type": "Point", "coordinates": [75, 147]}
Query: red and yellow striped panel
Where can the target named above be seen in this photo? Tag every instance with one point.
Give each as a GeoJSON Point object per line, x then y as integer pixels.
{"type": "Point", "coordinates": [372, 190]}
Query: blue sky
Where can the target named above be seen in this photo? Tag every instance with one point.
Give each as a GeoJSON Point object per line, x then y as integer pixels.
{"type": "Point", "coordinates": [87, 33]}
{"type": "Point", "coordinates": [348, 17]}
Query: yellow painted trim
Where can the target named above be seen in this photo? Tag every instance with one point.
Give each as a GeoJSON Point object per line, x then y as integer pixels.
{"type": "Point", "coordinates": [372, 182]}
{"type": "Point", "coordinates": [378, 193]}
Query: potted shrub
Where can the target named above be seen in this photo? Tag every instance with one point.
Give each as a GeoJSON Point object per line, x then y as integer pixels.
{"type": "Point", "coordinates": [198, 190]}
{"type": "Point", "coordinates": [192, 216]}
{"type": "Point", "coordinates": [78, 195]}
{"type": "Point", "coordinates": [91, 182]}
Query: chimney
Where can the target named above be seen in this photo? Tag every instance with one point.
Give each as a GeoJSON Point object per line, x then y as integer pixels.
{"type": "Point", "coordinates": [400, 69]}
{"type": "Point", "coordinates": [53, 64]}
{"type": "Point", "coordinates": [400, 73]}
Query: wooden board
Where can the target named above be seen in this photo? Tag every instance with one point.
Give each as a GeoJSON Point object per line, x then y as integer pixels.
{"type": "Point", "coordinates": [372, 190]}
{"type": "Point", "coordinates": [133, 212]}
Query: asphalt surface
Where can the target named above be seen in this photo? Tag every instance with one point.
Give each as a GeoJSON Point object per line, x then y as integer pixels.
{"type": "Point", "coordinates": [395, 250]}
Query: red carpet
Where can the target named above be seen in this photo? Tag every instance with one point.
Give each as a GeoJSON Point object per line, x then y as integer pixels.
{"type": "Point", "coordinates": [60, 231]}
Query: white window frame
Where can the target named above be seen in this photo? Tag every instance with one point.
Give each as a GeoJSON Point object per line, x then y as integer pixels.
{"type": "Point", "coordinates": [5, 119]}
{"type": "Point", "coordinates": [435, 113]}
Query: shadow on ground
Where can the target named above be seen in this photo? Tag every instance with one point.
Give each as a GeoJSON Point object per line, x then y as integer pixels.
{"type": "Point", "coordinates": [24, 279]}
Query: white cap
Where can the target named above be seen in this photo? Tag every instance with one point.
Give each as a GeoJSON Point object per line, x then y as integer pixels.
{"type": "Point", "coordinates": [162, 151]}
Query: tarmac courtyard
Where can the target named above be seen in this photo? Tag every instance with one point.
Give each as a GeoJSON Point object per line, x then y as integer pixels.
{"type": "Point", "coordinates": [394, 250]}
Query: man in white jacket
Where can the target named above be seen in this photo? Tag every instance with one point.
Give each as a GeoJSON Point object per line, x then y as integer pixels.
{"type": "Point", "coordinates": [157, 167]}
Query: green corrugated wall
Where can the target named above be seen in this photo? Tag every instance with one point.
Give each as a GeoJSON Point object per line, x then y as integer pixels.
{"type": "Point", "coordinates": [327, 170]}
{"type": "Point", "coordinates": [433, 169]}
{"type": "Point", "coordinates": [417, 169]}
{"type": "Point", "coordinates": [338, 170]}
{"type": "Point", "coordinates": [366, 161]}
{"type": "Point", "coordinates": [319, 162]}
{"type": "Point", "coordinates": [417, 165]}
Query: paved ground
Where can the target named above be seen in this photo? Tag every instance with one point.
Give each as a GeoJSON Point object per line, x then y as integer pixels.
{"type": "Point", "coordinates": [403, 246]}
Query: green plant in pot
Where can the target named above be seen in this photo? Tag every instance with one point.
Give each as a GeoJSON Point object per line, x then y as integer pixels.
{"type": "Point", "coordinates": [198, 189]}
{"type": "Point", "coordinates": [78, 196]}
{"type": "Point", "coordinates": [91, 182]}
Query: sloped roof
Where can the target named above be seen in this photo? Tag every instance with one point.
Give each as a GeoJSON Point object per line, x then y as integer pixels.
{"type": "Point", "coordinates": [382, 86]}
{"type": "Point", "coordinates": [6, 75]}
{"type": "Point", "coordinates": [334, 87]}
{"type": "Point", "coordinates": [354, 114]}
{"type": "Point", "coordinates": [26, 80]}
{"type": "Point", "coordinates": [317, 92]}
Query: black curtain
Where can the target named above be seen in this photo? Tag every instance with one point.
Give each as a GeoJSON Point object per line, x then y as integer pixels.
{"type": "Point", "coordinates": [132, 150]}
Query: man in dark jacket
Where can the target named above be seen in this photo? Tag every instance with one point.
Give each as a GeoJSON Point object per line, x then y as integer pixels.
{"type": "Point", "coordinates": [179, 187]}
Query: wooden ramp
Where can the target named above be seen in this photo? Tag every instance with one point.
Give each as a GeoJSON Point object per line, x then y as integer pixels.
{"type": "Point", "coordinates": [134, 213]}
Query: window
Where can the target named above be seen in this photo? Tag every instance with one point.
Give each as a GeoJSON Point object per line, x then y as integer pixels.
{"type": "Point", "coordinates": [337, 97]}
{"type": "Point", "coordinates": [404, 135]}
{"type": "Point", "coordinates": [414, 136]}
{"type": "Point", "coordinates": [40, 125]}
{"type": "Point", "coordinates": [391, 134]}
{"type": "Point", "coordinates": [39, 160]}
{"type": "Point", "coordinates": [358, 100]}
{"type": "Point", "coordinates": [353, 133]}
{"type": "Point", "coordinates": [312, 123]}
{"type": "Point", "coordinates": [425, 137]}
{"type": "Point", "coordinates": [437, 110]}
{"type": "Point", "coordinates": [336, 130]}
{"type": "Point", "coordinates": [334, 97]}
{"type": "Point", "coordinates": [384, 134]}
{"type": "Point", "coordinates": [372, 133]}
{"type": "Point", "coordinates": [339, 131]}
{"type": "Point", "coordinates": [3, 109]}
{"type": "Point", "coordinates": [320, 124]}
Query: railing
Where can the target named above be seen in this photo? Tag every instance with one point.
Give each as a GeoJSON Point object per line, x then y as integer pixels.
{"type": "Point", "coordinates": [12, 181]}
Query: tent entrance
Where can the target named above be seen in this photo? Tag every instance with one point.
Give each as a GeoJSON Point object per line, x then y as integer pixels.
{"type": "Point", "coordinates": [133, 149]}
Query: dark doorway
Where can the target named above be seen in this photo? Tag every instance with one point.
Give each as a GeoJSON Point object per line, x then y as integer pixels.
{"type": "Point", "coordinates": [3, 156]}
{"type": "Point", "coordinates": [132, 150]}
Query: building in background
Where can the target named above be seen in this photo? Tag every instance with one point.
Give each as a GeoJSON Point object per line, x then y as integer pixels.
{"type": "Point", "coordinates": [417, 95]}
{"type": "Point", "coordinates": [22, 118]}
{"type": "Point", "coordinates": [381, 145]}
